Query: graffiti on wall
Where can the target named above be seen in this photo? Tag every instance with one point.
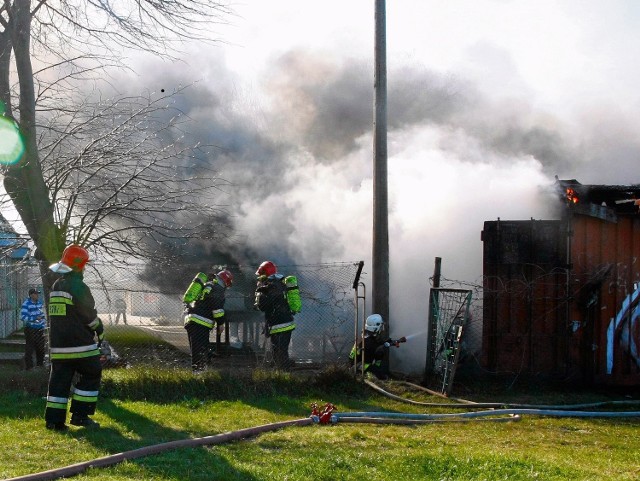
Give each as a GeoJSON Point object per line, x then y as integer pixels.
{"type": "Point", "coordinates": [624, 329]}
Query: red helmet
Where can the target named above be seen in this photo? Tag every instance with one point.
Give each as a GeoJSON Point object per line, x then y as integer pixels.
{"type": "Point", "coordinates": [74, 258]}
{"type": "Point", "coordinates": [267, 268]}
{"type": "Point", "coordinates": [226, 277]}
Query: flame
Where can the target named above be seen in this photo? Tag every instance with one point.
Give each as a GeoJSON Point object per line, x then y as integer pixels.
{"type": "Point", "coordinates": [572, 196]}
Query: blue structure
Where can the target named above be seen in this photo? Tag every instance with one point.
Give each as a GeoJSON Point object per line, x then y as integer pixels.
{"type": "Point", "coordinates": [14, 253]}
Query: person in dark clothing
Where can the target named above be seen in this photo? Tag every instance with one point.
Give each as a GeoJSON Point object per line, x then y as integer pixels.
{"type": "Point", "coordinates": [374, 348]}
{"type": "Point", "coordinates": [34, 329]}
{"type": "Point", "coordinates": [271, 299]}
{"type": "Point", "coordinates": [203, 314]}
{"type": "Point", "coordinates": [75, 335]}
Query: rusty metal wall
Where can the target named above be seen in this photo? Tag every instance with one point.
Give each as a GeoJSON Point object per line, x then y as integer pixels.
{"type": "Point", "coordinates": [524, 297]}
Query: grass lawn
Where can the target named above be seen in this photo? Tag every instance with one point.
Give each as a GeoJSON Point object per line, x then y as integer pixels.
{"type": "Point", "coordinates": [146, 406]}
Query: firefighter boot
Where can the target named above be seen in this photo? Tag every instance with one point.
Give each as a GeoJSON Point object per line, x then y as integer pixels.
{"type": "Point", "coordinates": [84, 421]}
{"type": "Point", "coordinates": [57, 426]}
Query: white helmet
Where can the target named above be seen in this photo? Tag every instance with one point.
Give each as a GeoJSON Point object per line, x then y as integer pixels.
{"type": "Point", "coordinates": [373, 323]}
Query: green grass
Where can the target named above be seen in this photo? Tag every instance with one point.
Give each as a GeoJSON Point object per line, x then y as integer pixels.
{"type": "Point", "coordinates": [149, 405]}
{"type": "Point", "coordinates": [142, 407]}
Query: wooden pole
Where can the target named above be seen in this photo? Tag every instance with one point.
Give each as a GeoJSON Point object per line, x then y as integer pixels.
{"type": "Point", "coordinates": [431, 322]}
{"type": "Point", "coordinates": [380, 261]}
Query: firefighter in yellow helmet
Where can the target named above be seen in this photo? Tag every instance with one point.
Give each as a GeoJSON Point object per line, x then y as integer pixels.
{"type": "Point", "coordinates": [75, 335]}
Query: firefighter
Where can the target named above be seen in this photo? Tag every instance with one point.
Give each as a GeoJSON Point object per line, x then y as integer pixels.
{"type": "Point", "coordinates": [279, 323]}
{"type": "Point", "coordinates": [75, 336]}
{"type": "Point", "coordinates": [374, 347]}
{"type": "Point", "coordinates": [203, 313]}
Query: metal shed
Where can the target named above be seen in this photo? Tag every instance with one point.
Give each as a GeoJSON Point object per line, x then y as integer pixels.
{"type": "Point", "coordinates": [562, 297]}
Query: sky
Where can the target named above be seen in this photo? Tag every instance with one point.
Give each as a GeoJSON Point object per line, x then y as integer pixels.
{"type": "Point", "coordinates": [488, 100]}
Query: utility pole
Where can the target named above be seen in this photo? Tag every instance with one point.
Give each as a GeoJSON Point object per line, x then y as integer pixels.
{"type": "Point", "coordinates": [380, 258]}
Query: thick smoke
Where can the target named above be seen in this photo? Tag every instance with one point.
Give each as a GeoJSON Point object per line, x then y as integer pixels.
{"type": "Point", "coordinates": [297, 153]}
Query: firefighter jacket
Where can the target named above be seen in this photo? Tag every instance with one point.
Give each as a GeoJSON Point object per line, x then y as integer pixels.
{"type": "Point", "coordinates": [74, 322]}
{"type": "Point", "coordinates": [373, 351]}
{"type": "Point", "coordinates": [271, 298]}
{"type": "Point", "coordinates": [208, 309]}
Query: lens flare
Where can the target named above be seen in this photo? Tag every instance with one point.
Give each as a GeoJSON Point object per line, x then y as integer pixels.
{"type": "Point", "coordinates": [11, 142]}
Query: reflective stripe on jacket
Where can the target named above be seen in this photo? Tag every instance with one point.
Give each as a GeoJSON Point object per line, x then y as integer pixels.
{"type": "Point", "coordinates": [271, 299]}
{"type": "Point", "coordinates": [278, 328]}
{"type": "Point", "coordinates": [209, 308]}
{"type": "Point", "coordinates": [78, 352]}
{"type": "Point", "coordinates": [203, 321]}
{"type": "Point", "coordinates": [74, 322]}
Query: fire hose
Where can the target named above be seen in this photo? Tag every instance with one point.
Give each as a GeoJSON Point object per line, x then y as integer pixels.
{"type": "Point", "coordinates": [328, 416]}
{"type": "Point", "coordinates": [324, 415]}
{"type": "Point", "coordinates": [159, 448]}
{"type": "Point", "coordinates": [462, 403]}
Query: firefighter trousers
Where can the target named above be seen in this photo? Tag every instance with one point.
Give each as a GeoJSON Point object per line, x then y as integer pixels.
{"type": "Point", "coordinates": [85, 392]}
{"type": "Point", "coordinates": [198, 345]}
{"type": "Point", "coordinates": [280, 348]}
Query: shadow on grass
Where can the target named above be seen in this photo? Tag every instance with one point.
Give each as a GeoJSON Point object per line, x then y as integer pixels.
{"type": "Point", "coordinates": [141, 431]}
{"type": "Point", "coordinates": [203, 463]}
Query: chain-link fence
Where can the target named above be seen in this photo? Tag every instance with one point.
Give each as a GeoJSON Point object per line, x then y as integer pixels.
{"type": "Point", "coordinates": [448, 316]}
{"type": "Point", "coordinates": [145, 325]}
{"type": "Point", "coordinates": [15, 282]}
{"type": "Point", "coordinates": [144, 322]}
{"type": "Point", "coordinates": [469, 347]}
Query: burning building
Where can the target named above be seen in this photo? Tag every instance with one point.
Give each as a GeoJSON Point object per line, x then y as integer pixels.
{"type": "Point", "coordinates": [562, 297]}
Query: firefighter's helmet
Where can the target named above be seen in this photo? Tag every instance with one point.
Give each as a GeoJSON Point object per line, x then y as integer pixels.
{"type": "Point", "coordinates": [373, 323]}
{"type": "Point", "coordinates": [267, 268]}
{"type": "Point", "coordinates": [226, 277]}
{"type": "Point", "coordinates": [74, 258]}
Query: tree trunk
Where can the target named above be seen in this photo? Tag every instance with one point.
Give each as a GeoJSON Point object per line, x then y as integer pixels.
{"type": "Point", "coordinates": [5, 66]}
{"type": "Point", "coordinates": [24, 181]}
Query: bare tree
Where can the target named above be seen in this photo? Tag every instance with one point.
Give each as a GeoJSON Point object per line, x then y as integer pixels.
{"type": "Point", "coordinates": [121, 177]}
{"type": "Point", "coordinates": [99, 191]}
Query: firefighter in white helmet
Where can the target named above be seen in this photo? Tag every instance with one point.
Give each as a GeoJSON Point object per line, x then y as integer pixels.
{"type": "Point", "coordinates": [374, 346]}
{"type": "Point", "coordinates": [204, 313]}
{"type": "Point", "coordinates": [75, 335]}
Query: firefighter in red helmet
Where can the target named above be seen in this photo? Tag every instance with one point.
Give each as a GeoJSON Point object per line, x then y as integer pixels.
{"type": "Point", "coordinates": [75, 335]}
{"type": "Point", "coordinates": [279, 322]}
{"type": "Point", "coordinates": [204, 310]}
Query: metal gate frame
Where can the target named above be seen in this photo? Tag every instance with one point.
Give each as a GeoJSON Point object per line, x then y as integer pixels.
{"type": "Point", "coordinates": [448, 316]}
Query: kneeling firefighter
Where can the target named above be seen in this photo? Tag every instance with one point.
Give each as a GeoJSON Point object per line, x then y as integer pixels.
{"type": "Point", "coordinates": [75, 335]}
{"type": "Point", "coordinates": [204, 309]}
{"type": "Point", "coordinates": [374, 347]}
